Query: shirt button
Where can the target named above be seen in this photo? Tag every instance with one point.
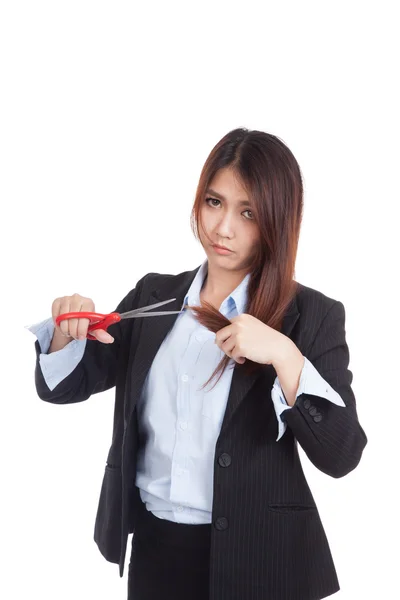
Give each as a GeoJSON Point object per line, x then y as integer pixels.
{"type": "Point", "coordinates": [183, 425]}
{"type": "Point", "coordinates": [184, 378]}
{"type": "Point", "coordinates": [180, 509]}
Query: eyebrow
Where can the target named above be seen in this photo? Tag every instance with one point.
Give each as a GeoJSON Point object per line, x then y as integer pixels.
{"type": "Point", "coordinates": [221, 197]}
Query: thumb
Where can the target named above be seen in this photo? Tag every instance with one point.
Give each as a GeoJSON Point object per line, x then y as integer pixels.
{"type": "Point", "coordinates": [102, 336]}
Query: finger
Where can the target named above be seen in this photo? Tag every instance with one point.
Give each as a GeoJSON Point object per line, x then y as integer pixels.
{"type": "Point", "coordinates": [78, 327]}
{"type": "Point", "coordinates": [64, 324]}
{"type": "Point", "coordinates": [224, 337]}
{"type": "Point", "coordinates": [239, 359]}
{"type": "Point", "coordinates": [55, 311]}
{"type": "Point", "coordinates": [223, 334]}
{"type": "Point", "coordinates": [76, 306]}
{"type": "Point", "coordinates": [87, 305]}
{"type": "Point", "coordinates": [102, 336]}
{"type": "Point", "coordinates": [228, 347]}
{"type": "Point", "coordinates": [73, 324]}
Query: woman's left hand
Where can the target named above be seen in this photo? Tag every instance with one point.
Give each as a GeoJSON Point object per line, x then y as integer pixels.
{"type": "Point", "coordinates": [248, 337]}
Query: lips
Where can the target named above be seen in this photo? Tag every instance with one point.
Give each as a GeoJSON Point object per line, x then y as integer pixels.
{"type": "Point", "coordinates": [221, 247]}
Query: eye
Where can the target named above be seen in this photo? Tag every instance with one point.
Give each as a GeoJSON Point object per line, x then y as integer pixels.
{"type": "Point", "coordinates": [216, 200]}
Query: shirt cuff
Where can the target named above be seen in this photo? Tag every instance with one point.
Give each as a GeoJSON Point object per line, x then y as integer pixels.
{"type": "Point", "coordinates": [57, 365]}
{"type": "Point", "coordinates": [311, 382]}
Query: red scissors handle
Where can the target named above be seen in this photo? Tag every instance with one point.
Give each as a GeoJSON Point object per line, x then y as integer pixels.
{"type": "Point", "coordinates": [97, 320]}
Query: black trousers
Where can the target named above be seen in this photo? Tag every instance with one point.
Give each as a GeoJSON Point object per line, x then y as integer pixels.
{"type": "Point", "coordinates": [169, 560]}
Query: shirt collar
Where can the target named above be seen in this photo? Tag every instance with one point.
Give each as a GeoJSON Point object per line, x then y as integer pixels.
{"type": "Point", "coordinates": [236, 300]}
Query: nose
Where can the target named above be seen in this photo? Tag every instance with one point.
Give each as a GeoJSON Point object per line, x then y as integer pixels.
{"type": "Point", "coordinates": [225, 226]}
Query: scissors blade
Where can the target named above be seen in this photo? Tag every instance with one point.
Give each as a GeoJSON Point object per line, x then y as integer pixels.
{"type": "Point", "coordinates": [151, 314]}
{"type": "Point", "coordinates": [137, 311]}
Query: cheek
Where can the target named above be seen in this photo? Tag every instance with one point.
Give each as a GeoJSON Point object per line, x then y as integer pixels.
{"type": "Point", "coordinates": [256, 241]}
{"type": "Point", "coordinates": [206, 221]}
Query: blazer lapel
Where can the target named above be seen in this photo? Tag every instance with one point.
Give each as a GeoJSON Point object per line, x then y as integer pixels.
{"type": "Point", "coordinates": [242, 383]}
{"type": "Point", "coordinates": [154, 330]}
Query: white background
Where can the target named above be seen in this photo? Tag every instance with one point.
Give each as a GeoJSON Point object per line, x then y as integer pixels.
{"type": "Point", "coordinates": [108, 112]}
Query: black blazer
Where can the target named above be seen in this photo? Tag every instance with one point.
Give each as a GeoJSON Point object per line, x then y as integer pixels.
{"type": "Point", "coordinates": [268, 542]}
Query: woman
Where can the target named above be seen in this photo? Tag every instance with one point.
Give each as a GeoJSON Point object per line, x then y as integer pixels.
{"type": "Point", "coordinates": [209, 481]}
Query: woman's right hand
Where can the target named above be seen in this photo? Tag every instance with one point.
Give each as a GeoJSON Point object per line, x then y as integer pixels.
{"type": "Point", "coordinates": [76, 328]}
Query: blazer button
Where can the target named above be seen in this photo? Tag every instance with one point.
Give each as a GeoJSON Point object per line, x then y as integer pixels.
{"type": "Point", "coordinates": [317, 418]}
{"type": "Point", "coordinates": [313, 411]}
{"type": "Point", "coordinates": [307, 403]}
{"type": "Point", "coordinates": [225, 459]}
{"type": "Point", "coordinates": [221, 523]}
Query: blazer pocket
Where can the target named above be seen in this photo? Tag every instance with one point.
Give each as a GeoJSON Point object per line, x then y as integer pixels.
{"type": "Point", "coordinates": [291, 507]}
{"type": "Point", "coordinates": [113, 467]}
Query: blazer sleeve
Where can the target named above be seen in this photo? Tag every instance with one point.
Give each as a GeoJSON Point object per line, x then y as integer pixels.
{"type": "Point", "coordinates": [97, 369]}
{"type": "Point", "coordinates": [329, 434]}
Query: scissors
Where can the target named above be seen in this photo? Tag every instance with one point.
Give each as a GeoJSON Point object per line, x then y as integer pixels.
{"type": "Point", "coordinates": [99, 321]}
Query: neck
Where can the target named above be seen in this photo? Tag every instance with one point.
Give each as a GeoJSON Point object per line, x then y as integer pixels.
{"type": "Point", "coordinates": [220, 283]}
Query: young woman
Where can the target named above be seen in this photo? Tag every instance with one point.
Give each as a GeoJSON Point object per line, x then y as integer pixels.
{"type": "Point", "coordinates": [208, 477]}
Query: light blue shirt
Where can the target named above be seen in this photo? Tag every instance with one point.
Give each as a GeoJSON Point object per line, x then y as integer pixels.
{"type": "Point", "coordinates": [178, 423]}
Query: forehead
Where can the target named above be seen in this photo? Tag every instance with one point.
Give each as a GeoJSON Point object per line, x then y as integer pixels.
{"type": "Point", "coordinates": [226, 185]}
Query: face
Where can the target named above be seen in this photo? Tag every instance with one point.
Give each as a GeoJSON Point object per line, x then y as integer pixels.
{"type": "Point", "coordinates": [227, 220]}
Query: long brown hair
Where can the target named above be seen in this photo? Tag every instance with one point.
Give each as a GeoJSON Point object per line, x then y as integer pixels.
{"type": "Point", "coordinates": [272, 178]}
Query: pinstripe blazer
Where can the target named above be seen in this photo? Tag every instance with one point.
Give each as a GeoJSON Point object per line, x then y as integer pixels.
{"type": "Point", "coordinates": [268, 541]}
